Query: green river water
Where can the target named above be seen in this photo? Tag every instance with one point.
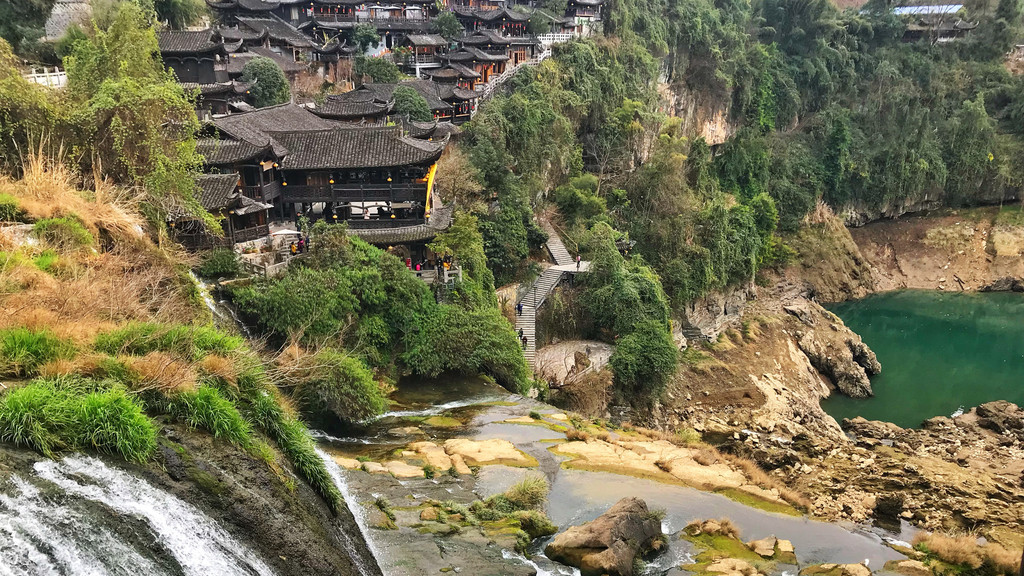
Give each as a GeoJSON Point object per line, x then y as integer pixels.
{"type": "Point", "coordinates": [940, 353]}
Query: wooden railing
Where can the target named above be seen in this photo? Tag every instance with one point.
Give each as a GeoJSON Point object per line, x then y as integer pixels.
{"type": "Point", "coordinates": [399, 192]}
{"type": "Point", "coordinates": [362, 224]}
{"type": "Point", "coordinates": [249, 234]}
{"type": "Point", "coordinates": [267, 191]}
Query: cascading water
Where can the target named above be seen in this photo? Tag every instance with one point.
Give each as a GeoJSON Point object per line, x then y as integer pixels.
{"type": "Point", "coordinates": [338, 476]}
{"type": "Point", "coordinates": [80, 516]}
{"type": "Point", "coordinates": [224, 313]}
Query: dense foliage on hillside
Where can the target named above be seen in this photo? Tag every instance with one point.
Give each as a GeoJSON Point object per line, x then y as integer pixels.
{"type": "Point", "coordinates": [828, 107]}
{"type": "Point", "coordinates": [350, 299]}
{"type": "Point", "coordinates": [122, 116]}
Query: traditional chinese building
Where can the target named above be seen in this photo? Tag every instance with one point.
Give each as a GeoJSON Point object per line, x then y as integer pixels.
{"type": "Point", "coordinates": [373, 103]}
{"type": "Point", "coordinates": [506, 21]}
{"type": "Point", "coordinates": [242, 219]}
{"type": "Point", "coordinates": [585, 15]}
{"type": "Point", "coordinates": [422, 52]}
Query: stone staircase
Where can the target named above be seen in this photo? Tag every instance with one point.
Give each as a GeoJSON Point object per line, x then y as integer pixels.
{"type": "Point", "coordinates": [532, 300]}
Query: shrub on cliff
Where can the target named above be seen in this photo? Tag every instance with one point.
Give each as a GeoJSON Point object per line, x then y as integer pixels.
{"type": "Point", "coordinates": [334, 383]}
{"type": "Point", "coordinates": [643, 362]}
{"type": "Point", "coordinates": [220, 263]}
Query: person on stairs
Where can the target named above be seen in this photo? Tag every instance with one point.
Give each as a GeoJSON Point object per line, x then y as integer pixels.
{"type": "Point", "coordinates": [578, 262]}
{"type": "Point", "coordinates": [519, 309]}
{"type": "Point", "coordinates": [525, 340]}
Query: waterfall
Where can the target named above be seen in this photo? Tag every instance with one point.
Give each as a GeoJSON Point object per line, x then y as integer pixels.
{"type": "Point", "coordinates": [338, 476]}
{"type": "Point", "coordinates": [220, 309]}
{"type": "Point", "coordinates": [80, 516]}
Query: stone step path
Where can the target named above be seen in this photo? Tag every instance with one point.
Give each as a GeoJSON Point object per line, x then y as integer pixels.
{"type": "Point", "coordinates": [555, 246]}
{"type": "Point", "coordinates": [542, 287]}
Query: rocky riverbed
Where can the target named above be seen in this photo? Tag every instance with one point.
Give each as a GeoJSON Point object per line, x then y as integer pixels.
{"type": "Point", "coordinates": [425, 512]}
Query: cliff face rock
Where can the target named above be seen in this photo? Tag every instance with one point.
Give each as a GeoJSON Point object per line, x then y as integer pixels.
{"type": "Point", "coordinates": [610, 543]}
{"type": "Point", "coordinates": [711, 315]}
{"type": "Point", "coordinates": [703, 115]}
{"type": "Point", "coordinates": [835, 350]}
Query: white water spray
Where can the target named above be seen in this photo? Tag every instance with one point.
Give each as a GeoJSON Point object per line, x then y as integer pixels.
{"type": "Point", "coordinates": [40, 534]}
{"type": "Point", "coordinates": [338, 476]}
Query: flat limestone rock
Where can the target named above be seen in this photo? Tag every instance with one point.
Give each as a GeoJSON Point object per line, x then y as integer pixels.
{"type": "Point", "coordinates": [481, 452]}
{"type": "Point", "coordinates": [374, 468]}
{"type": "Point", "coordinates": [764, 547]}
{"type": "Point", "coordinates": [559, 416]}
{"type": "Point", "coordinates": [400, 469]}
{"type": "Point", "coordinates": [406, 431]}
{"type": "Point", "coordinates": [732, 567]}
{"type": "Point", "coordinates": [460, 465]}
{"type": "Point", "coordinates": [786, 547]}
{"type": "Point", "coordinates": [347, 463]}
{"type": "Point", "coordinates": [913, 568]}
{"type": "Point", "coordinates": [432, 454]}
{"type": "Point", "coordinates": [855, 570]}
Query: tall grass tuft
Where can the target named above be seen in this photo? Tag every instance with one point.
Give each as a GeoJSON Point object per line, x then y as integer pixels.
{"type": "Point", "coordinates": [22, 351]}
{"type": "Point", "coordinates": [69, 413]}
{"type": "Point", "coordinates": [966, 552]}
{"type": "Point", "coordinates": [206, 408]}
{"type": "Point", "coordinates": [269, 415]}
{"type": "Point", "coordinates": [190, 342]}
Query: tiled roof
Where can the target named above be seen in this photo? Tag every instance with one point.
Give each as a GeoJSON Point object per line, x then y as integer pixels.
{"type": "Point", "coordinates": [355, 148]}
{"type": "Point", "coordinates": [245, 34]}
{"type": "Point", "coordinates": [278, 30]}
{"type": "Point", "coordinates": [499, 15]}
{"type": "Point", "coordinates": [470, 54]}
{"type": "Point", "coordinates": [258, 5]}
{"type": "Point", "coordinates": [221, 152]}
{"type": "Point", "coordinates": [188, 41]}
{"type": "Point", "coordinates": [238, 60]}
{"type": "Point", "coordinates": [426, 40]}
{"type": "Point", "coordinates": [355, 104]}
{"type": "Point", "coordinates": [216, 190]}
{"type": "Point", "coordinates": [255, 127]}
{"type": "Point", "coordinates": [440, 220]}
{"type": "Point", "coordinates": [483, 37]}
{"type": "Point", "coordinates": [453, 71]}
{"type": "Point", "coordinates": [419, 130]}
{"type": "Point", "coordinates": [448, 92]}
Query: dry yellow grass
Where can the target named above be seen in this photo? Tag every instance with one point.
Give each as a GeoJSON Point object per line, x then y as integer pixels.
{"type": "Point", "coordinates": [160, 371]}
{"type": "Point", "coordinates": [221, 367]}
{"type": "Point", "coordinates": [129, 278]}
{"type": "Point", "coordinates": [965, 549]}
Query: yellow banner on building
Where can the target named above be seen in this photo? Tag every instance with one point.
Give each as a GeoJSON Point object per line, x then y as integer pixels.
{"type": "Point", "coordinates": [430, 188]}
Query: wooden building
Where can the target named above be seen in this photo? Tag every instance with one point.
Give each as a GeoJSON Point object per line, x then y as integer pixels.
{"type": "Point", "coordinates": [373, 103]}
{"type": "Point", "coordinates": [242, 219]}
{"type": "Point", "coordinates": [423, 52]}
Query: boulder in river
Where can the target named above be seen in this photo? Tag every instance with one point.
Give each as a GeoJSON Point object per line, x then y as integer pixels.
{"type": "Point", "coordinates": [610, 543]}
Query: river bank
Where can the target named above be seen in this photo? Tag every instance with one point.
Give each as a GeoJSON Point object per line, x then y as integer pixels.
{"type": "Point", "coordinates": [774, 354]}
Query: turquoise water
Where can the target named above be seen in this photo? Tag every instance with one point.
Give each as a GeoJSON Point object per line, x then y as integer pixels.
{"type": "Point", "coordinates": [940, 353]}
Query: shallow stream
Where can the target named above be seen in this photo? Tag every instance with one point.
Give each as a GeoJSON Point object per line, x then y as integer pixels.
{"type": "Point", "coordinates": [576, 496]}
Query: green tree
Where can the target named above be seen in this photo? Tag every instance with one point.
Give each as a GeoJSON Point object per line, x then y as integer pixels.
{"type": "Point", "coordinates": [378, 69]}
{"type": "Point", "coordinates": [364, 37]}
{"type": "Point", "coordinates": [179, 14]}
{"type": "Point", "coordinates": [269, 84]}
{"type": "Point", "coordinates": [134, 122]}
{"type": "Point", "coordinates": [447, 25]}
{"type": "Point", "coordinates": [643, 363]}
{"type": "Point", "coordinates": [410, 103]}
